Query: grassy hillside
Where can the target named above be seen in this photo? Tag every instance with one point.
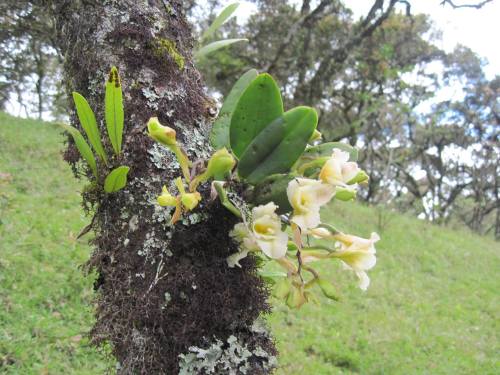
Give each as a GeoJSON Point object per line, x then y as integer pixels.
{"type": "Point", "coordinates": [432, 308]}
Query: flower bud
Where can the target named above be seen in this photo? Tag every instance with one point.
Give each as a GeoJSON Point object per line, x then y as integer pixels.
{"type": "Point", "coordinates": [190, 200]}
{"type": "Point", "coordinates": [345, 194]}
{"type": "Point", "coordinates": [328, 289]}
{"type": "Point", "coordinates": [296, 298]}
{"type": "Point", "coordinates": [282, 288]}
{"type": "Point", "coordinates": [315, 136]}
{"type": "Point", "coordinates": [220, 164]}
{"type": "Point", "coordinates": [162, 134]}
{"type": "Point", "coordinates": [166, 199]}
{"type": "Point", "coordinates": [359, 178]}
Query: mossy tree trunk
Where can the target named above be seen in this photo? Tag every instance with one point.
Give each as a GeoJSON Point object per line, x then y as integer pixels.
{"type": "Point", "coordinates": [166, 300]}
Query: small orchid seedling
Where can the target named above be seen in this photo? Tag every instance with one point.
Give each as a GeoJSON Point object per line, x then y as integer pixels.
{"type": "Point", "coordinates": [114, 116]}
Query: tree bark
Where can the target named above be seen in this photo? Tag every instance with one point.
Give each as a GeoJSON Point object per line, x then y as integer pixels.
{"type": "Point", "coordinates": [166, 300]}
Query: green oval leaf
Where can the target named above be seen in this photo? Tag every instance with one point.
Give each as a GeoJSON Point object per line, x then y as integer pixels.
{"type": "Point", "coordinates": [89, 124]}
{"type": "Point", "coordinates": [223, 16]}
{"type": "Point", "coordinates": [215, 46]}
{"type": "Point", "coordinates": [116, 179]}
{"type": "Point", "coordinates": [83, 147]}
{"type": "Point", "coordinates": [279, 145]}
{"type": "Point", "coordinates": [219, 136]}
{"type": "Point", "coordinates": [114, 110]}
{"type": "Point", "coordinates": [257, 107]}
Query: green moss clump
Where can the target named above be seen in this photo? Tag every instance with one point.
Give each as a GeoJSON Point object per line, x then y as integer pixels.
{"type": "Point", "coordinates": [166, 46]}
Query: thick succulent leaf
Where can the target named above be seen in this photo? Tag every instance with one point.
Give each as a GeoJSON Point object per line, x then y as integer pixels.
{"type": "Point", "coordinates": [220, 20]}
{"type": "Point", "coordinates": [83, 147]}
{"type": "Point", "coordinates": [273, 189]}
{"type": "Point", "coordinates": [315, 157]}
{"type": "Point", "coordinates": [219, 136]}
{"type": "Point", "coordinates": [276, 148]}
{"type": "Point", "coordinates": [257, 107]}
{"type": "Point", "coordinates": [215, 46]}
{"type": "Point", "coordinates": [116, 179]}
{"type": "Point", "coordinates": [114, 110]}
{"type": "Point", "coordinates": [326, 149]}
{"type": "Point", "coordinates": [89, 124]}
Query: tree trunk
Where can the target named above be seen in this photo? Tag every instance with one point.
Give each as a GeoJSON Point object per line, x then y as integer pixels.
{"type": "Point", "coordinates": [166, 300]}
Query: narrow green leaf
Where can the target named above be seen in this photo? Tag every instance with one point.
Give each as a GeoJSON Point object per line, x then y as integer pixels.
{"type": "Point", "coordinates": [114, 110]}
{"type": "Point", "coordinates": [220, 20]}
{"type": "Point", "coordinates": [215, 46]}
{"type": "Point", "coordinates": [273, 189]}
{"type": "Point", "coordinates": [257, 107]}
{"type": "Point", "coordinates": [83, 147]}
{"type": "Point", "coordinates": [116, 179]}
{"type": "Point", "coordinates": [279, 145]}
{"type": "Point", "coordinates": [219, 136]}
{"type": "Point", "coordinates": [89, 124]}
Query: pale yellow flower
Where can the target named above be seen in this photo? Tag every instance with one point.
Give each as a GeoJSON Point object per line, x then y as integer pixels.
{"type": "Point", "coordinates": [245, 238]}
{"type": "Point", "coordinates": [338, 170]}
{"type": "Point", "coordinates": [266, 229]}
{"type": "Point", "coordinates": [306, 196]}
{"type": "Point", "coordinates": [358, 255]}
{"type": "Point", "coordinates": [264, 235]}
{"type": "Point", "coordinates": [166, 199]}
{"type": "Point", "coordinates": [190, 200]}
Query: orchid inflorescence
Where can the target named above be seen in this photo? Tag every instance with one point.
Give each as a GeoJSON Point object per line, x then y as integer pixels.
{"type": "Point", "coordinates": [287, 177]}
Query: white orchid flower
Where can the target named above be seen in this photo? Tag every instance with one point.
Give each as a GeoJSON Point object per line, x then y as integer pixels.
{"type": "Point", "coordinates": [358, 255]}
{"type": "Point", "coordinates": [266, 229]}
{"type": "Point", "coordinates": [338, 170]}
{"type": "Point", "coordinates": [264, 235]}
{"type": "Point", "coordinates": [244, 237]}
{"type": "Point", "coordinates": [306, 197]}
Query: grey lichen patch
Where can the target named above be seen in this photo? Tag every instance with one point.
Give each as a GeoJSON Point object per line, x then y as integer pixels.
{"type": "Point", "coordinates": [151, 96]}
{"type": "Point", "coordinates": [168, 298]}
{"type": "Point", "coordinates": [151, 244]}
{"type": "Point", "coordinates": [161, 157]}
{"type": "Point", "coordinates": [259, 326]}
{"type": "Point", "coordinates": [162, 215]}
{"type": "Point", "coordinates": [193, 218]}
{"type": "Point", "coordinates": [231, 357]}
{"type": "Point", "coordinates": [198, 145]}
{"type": "Point", "coordinates": [133, 224]}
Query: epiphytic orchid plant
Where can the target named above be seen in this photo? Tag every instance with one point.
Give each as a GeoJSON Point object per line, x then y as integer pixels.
{"type": "Point", "coordinates": [287, 175]}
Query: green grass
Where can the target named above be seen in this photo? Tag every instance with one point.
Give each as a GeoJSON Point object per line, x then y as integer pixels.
{"type": "Point", "coordinates": [432, 307]}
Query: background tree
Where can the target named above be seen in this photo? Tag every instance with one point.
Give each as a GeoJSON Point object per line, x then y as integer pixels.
{"type": "Point", "coordinates": [30, 65]}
